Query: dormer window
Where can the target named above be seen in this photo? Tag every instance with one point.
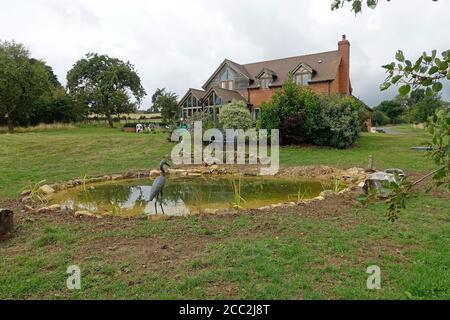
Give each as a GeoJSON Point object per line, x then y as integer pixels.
{"type": "Point", "coordinates": [302, 79]}
{"type": "Point", "coordinates": [264, 83]}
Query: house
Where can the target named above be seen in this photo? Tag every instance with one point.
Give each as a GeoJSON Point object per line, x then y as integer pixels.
{"type": "Point", "coordinates": [324, 72]}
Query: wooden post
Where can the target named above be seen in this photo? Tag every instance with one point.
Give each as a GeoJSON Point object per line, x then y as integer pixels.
{"type": "Point", "coordinates": [6, 221]}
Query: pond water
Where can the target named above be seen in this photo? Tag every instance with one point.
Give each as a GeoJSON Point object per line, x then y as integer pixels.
{"type": "Point", "coordinates": [183, 196]}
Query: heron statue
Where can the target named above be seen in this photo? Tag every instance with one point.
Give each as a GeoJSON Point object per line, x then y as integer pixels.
{"type": "Point", "coordinates": [158, 186]}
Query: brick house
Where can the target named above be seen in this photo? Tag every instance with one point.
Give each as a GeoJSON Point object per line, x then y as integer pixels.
{"type": "Point", "coordinates": [325, 72]}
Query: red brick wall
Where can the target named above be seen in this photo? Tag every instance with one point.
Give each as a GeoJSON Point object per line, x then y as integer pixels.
{"type": "Point", "coordinates": [257, 96]}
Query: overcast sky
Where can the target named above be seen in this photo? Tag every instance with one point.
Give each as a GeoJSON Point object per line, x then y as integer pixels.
{"type": "Point", "coordinates": [177, 44]}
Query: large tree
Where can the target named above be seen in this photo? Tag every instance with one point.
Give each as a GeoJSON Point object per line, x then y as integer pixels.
{"type": "Point", "coordinates": [166, 103]}
{"type": "Point", "coordinates": [22, 81]}
{"type": "Point", "coordinates": [106, 84]}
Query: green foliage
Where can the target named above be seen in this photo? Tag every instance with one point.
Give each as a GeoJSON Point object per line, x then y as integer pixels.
{"type": "Point", "coordinates": [105, 84]}
{"type": "Point", "coordinates": [333, 121]}
{"type": "Point", "coordinates": [379, 118]}
{"type": "Point", "coordinates": [22, 81]}
{"type": "Point", "coordinates": [235, 115]}
{"type": "Point", "coordinates": [439, 127]}
{"type": "Point", "coordinates": [166, 103]}
{"type": "Point", "coordinates": [424, 108]}
{"type": "Point", "coordinates": [338, 123]}
{"type": "Point", "coordinates": [393, 109]}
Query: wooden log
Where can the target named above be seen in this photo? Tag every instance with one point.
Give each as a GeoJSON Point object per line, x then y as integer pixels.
{"type": "Point", "coordinates": [6, 221]}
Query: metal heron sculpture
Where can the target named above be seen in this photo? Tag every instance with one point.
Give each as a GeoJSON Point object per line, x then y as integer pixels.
{"type": "Point", "coordinates": [158, 186]}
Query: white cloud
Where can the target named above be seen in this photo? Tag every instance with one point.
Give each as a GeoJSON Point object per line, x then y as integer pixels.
{"type": "Point", "coordinates": [177, 44]}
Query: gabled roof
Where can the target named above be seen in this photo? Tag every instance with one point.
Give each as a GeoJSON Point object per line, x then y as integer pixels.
{"type": "Point", "coordinates": [226, 95]}
{"type": "Point", "coordinates": [265, 70]}
{"type": "Point", "coordinates": [324, 64]}
{"type": "Point", "coordinates": [304, 66]}
{"type": "Point", "coordinates": [233, 65]}
{"type": "Point", "coordinates": [195, 92]}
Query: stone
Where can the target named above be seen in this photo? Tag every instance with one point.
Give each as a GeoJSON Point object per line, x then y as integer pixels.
{"type": "Point", "coordinates": [46, 189]}
{"type": "Point", "coordinates": [52, 208]}
{"type": "Point", "coordinates": [116, 177]}
{"type": "Point", "coordinates": [194, 174]}
{"type": "Point", "coordinates": [27, 199]}
{"type": "Point", "coordinates": [210, 211]}
{"type": "Point", "coordinates": [379, 182]}
{"type": "Point", "coordinates": [84, 213]}
{"type": "Point", "coordinates": [29, 208]}
{"type": "Point", "coordinates": [214, 168]}
{"type": "Point", "coordinates": [320, 198]}
{"type": "Point", "coordinates": [326, 193]}
{"type": "Point", "coordinates": [154, 173]}
{"type": "Point", "coordinates": [25, 193]}
{"type": "Point", "coordinates": [6, 221]}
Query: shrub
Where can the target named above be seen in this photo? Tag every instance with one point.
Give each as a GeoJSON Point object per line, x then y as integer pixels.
{"type": "Point", "coordinates": [292, 130]}
{"type": "Point", "coordinates": [235, 115]}
{"type": "Point", "coordinates": [339, 123]}
{"type": "Point", "coordinates": [379, 118]}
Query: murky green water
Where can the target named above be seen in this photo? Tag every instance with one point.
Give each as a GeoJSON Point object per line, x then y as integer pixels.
{"type": "Point", "coordinates": [183, 196]}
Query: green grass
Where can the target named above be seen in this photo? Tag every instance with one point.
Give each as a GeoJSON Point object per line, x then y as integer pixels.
{"type": "Point", "coordinates": [264, 256]}
{"type": "Point", "coordinates": [388, 151]}
{"type": "Point", "coordinates": [63, 154]}
{"type": "Point", "coordinates": [308, 257]}
{"type": "Point", "coordinates": [59, 155]}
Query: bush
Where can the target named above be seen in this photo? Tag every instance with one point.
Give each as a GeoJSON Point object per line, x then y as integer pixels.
{"type": "Point", "coordinates": [293, 130]}
{"type": "Point", "coordinates": [379, 118]}
{"type": "Point", "coordinates": [338, 124]}
{"type": "Point", "coordinates": [235, 115]}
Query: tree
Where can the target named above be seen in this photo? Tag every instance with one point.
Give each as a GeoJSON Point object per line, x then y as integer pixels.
{"type": "Point", "coordinates": [235, 115]}
{"type": "Point", "coordinates": [21, 81]}
{"type": "Point", "coordinates": [426, 72]}
{"type": "Point", "coordinates": [166, 103]}
{"type": "Point", "coordinates": [393, 109]}
{"type": "Point", "coordinates": [424, 108]}
{"type": "Point", "coordinates": [159, 92]}
{"type": "Point", "coordinates": [104, 84]}
{"type": "Point", "coordinates": [379, 118]}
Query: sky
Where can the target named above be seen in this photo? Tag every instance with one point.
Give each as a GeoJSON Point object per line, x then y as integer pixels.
{"type": "Point", "coordinates": [177, 44]}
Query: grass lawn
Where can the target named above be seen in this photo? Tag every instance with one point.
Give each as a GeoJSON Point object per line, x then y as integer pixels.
{"type": "Point", "coordinates": [59, 155]}
{"type": "Point", "coordinates": [317, 251]}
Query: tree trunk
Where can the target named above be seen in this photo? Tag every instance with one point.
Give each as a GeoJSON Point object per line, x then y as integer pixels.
{"type": "Point", "coordinates": [110, 119]}
{"type": "Point", "coordinates": [10, 123]}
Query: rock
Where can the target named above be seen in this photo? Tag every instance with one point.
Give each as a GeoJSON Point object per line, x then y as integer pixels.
{"type": "Point", "coordinates": [210, 211]}
{"type": "Point", "coordinates": [46, 189]}
{"type": "Point", "coordinates": [326, 193]}
{"type": "Point", "coordinates": [6, 221]}
{"type": "Point", "coordinates": [154, 173]}
{"type": "Point", "coordinates": [175, 171]}
{"type": "Point", "coordinates": [379, 182]}
{"type": "Point", "coordinates": [27, 199]}
{"type": "Point", "coordinates": [25, 193]}
{"type": "Point", "coordinates": [158, 217]}
{"type": "Point", "coordinates": [116, 177]}
{"type": "Point", "coordinates": [194, 174]}
{"type": "Point", "coordinates": [52, 208]}
{"type": "Point", "coordinates": [320, 198]}
{"type": "Point", "coordinates": [29, 208]}
{"type": "Point", "coordinates": [277, 205]}
{"type": "Point", "coordinates": [85, 213]}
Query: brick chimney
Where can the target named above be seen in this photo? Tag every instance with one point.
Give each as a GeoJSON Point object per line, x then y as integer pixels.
{"type": "Point", "coordinates": [344, 68]}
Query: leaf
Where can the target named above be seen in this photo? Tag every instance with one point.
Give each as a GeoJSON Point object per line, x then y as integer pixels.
{"type": "Point", "coordinates": [399, 56]}
{"type": "Point", "coordinates": [385, 86]}
{"type": "Point", "coordinates": [429, 92]}
{"type": "Point", "coordinates": [437, 86]}
{"type": "Point", "coordinates": [396, 79]}
{"type": "Point", "coordinates": [433, 70]}
{"type": "Point", "coordinates": [404, 90]}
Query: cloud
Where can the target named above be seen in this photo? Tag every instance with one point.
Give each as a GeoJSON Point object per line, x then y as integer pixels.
{"type": "Point", "coordinates": [177, 44]}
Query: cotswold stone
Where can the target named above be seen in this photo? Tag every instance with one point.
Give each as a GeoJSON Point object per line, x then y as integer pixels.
{"type": "Point", "coordinates": [116, 177]}
{"type": "Point", "coordinates": [46, 189]}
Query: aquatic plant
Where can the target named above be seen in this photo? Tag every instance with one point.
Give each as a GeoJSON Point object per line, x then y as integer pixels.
{"type": "Point", "coordinates": [237, 198]}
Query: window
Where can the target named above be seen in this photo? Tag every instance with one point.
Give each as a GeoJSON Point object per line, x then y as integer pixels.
{"type": "Point", "coordinates": [264, 83]}
{"type": "Point", "coordinates": [227, 84]}
{"type": "Point", "coordinates": [302, 79]}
